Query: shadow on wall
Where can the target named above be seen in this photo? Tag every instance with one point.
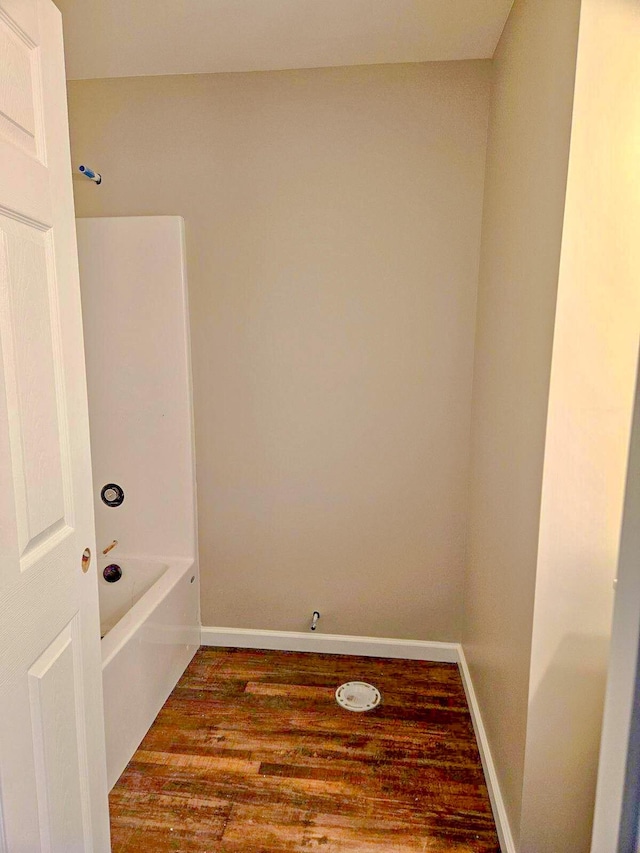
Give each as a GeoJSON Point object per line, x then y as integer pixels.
{"type": "Point", "coordinates": [565, 715]}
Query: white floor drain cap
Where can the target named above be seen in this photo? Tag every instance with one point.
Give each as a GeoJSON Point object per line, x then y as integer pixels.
{"type": "Point", "coordinates": [357, 696]}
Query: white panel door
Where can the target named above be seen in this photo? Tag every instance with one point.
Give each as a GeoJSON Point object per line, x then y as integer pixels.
{"type": "Point", "coordinates": [53, 794]}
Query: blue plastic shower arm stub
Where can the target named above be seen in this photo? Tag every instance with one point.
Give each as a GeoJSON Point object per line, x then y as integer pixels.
{"type": "Point", "coordinates": [89, 173]}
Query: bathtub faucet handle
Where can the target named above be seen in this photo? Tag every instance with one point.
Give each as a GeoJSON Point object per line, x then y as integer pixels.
{"type": "Point", "coordinates": [110, 547]}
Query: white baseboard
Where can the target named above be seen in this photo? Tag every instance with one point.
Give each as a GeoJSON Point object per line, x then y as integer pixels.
{"type": "Point", "coordinates": [491, 777]}
{"type": "Point", "coordinates": [334, 644]}
{"type": "Point", "coordinates": [337, 644]}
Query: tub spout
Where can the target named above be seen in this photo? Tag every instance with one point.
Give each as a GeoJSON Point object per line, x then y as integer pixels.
{"type": "Point", "coordinates": [110, 547]}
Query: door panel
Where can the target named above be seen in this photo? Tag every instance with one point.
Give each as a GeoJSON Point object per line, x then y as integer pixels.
{"type": "Point", "coordinates": [27, 295]}
{"type": "Point", "coordinates": [18, 62]}
{"type": "Point", "coordinates": [55, 688]}
{"type": "Point", "coordinates": [53, 794]}
{"type": "Point", "coordinates": [22, 15]}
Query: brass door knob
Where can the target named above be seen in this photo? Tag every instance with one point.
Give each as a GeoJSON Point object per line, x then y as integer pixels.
{"type": "Point", "coordinates": [86, 560]}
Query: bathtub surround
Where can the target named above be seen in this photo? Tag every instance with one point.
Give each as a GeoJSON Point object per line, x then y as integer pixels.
{"type": "Point", "coordinates": [134, 304]}
{"type": "Point", "coordinates": [333, 232]}
{"type": "Point", "coordinates": [135, 312]}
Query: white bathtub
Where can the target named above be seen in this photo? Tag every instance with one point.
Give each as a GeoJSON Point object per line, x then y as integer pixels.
{"type": "Point", "coordinates": [149, 619]}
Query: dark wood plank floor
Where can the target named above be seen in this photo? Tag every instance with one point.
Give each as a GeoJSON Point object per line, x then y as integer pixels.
{"type": "Point", "coordinates": [251, 754]}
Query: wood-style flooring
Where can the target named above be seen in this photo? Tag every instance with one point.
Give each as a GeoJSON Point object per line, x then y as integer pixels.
{"type": "Point", "coordinates": [251, 754]}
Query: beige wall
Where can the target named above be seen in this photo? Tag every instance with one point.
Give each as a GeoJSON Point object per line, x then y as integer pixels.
{"type": "Point", "coordinates": [590, 411]}
{"type": "Point", "coordinates": [333, 227]}
{"type": "Point", "coordinates": [529, 130]}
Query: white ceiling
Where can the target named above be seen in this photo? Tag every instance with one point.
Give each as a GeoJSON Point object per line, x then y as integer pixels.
{"type": "Point", "coordinates": [121, 38]}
